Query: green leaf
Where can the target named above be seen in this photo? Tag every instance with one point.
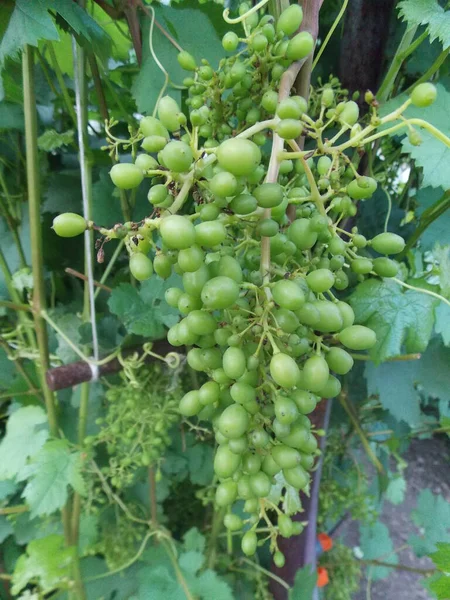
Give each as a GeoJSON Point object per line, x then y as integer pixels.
{"type": "Point", "coordinates": [375, 542]}
{"type": "Point", "coordinates": [11, 116]}
{"type": "Point", "coordinates": [117, 586]}
{"type": "Point", "coordinates": [282, 491]}
{"type": "Point", "coordinates": [63, 192]}
{"type": "Point", "coordinates": [432, 515]}
{"type": "Point", "coordinates": [396, 489]}
{"type": "Point", "coordinates": [430, 199]}
{"type": "Point", "coordinates": [144, 312]}
{"type": "Point", "coordinates": [29, 23]}
{"type": "Point", "coordinates": [441, 557]}
{"type": "Point", "coordinates": [210, 585]}
{"type": "Point", "coordinates": [400, 319]}
{"type": "Point", "coordinates": [70, 324]}
{"type": "Point", "coordinates": [88, 533]}
{"type": "Point", "coordinates": [191, 561]}
{"type": "Point", "coordinates": [430, 13]}
{"type": "Point", "coordinates": [7, 488]}
{"type": "Point", "coordinates": [432, 154]}
{"type": "Point", "coordinates": [83, 24]}
{"type": "Point", "coordinates": [184, 22]}
{"type": "Point", "coordinates": [304, 584]}
{"type": "Point", "coordinates": [194, 540]}
{"type": "Point", "coordinates": [26, 433]}
{"type": "Point", "coordinates": [53, 470]}
{"type": "Point", "coordinates": [439, 585]}
{"type": "Point", "coordinates": [6, 528]}
{"type": "Point", "coordinates": [47, 561]}
{"type": "Point", "coordinates": [7, 370]}
{"type": "Point", "coordinates": [51, 140]}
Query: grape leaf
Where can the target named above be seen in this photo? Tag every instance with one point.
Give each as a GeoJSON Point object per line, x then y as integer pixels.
{"type": "Point", "coordinates": [47, 561]}
{"type": "Point", "coordinates": [441, 557]}
{"type": "Point", "coordinates": [88, 533]}
{"type": "Point", "coordinates": [396, 489]}
{"type": "Point", "coordinates": [6, 528]}
{"type": "Point", "coordinates": [144, 312]}
{"type": "Point", "coordinates": [210, 585]}
{"type": "Point", "coordinates": [29, 23]}
{"type": "Point", "coordinates": [26, 433]}
{"type": "Point", "coordinates": [375, 542]}
{"type": "Point", "coordinates": [432, 154]}
{"type": "Point", "coordinates": [400, 319]}
{"type": "Point", "coordinates": [439, 585]}
{"type": "Point", "coordinates": [7, 370]}
{"type": "Point", "coordinates": [281, 490]}
{"type": "Point", "coordinates": [49, 475]}
{"type": "Point", "coordinates": [430, 13]}
{"type": "Point", "coordinates": [183, 22]}
{"type": "Point", "coordinates": [194, 540]}
{"type": "Point", "coordinates": [7, 488]}
{"type": "Point", "coordinates": [432, 515]}
{"type": "Point", "coordinates": [63, 192]}
{"type": "Point", "coordinates": [11, 116]}
{"type": "Point", "coordinates": [191, 561]}
{"type": "Point", "coordinates": [427, 199]}
{"type": "Point", "coordinates": [304, 584]}
{"type": "Point", "coordinates": [51, 140]}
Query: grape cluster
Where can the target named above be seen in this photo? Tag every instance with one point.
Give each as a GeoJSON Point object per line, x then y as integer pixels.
{"type": "Point", "coordinates": [135, 428]}
{"type": "Point", "coordinates": [259, 298]}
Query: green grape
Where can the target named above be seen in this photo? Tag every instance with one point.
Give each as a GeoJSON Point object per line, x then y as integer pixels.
{"type": "Point", "coordinates": [288, 108]}
{"type": "Point", "coordinates": [357, 337]}
{"type": "Point", "coordinates": [69, 225]}
{"type": "Point", "coordinates": [268, 227]}
{"type": "Point", "coordinates": [234, 362]}
{"type": "Point", "coordinates": [177, 156]}
{"type": "Point", "coordinates": [285, 456]}
{"type": "Point", "coordinates": [269, 101]}
{"type": "Point", "coordinates": [232, 522]}
{"type": "Point", "coordinates": [186, 61]}
{"type": "Point", "coordinates": [297, 477]}
{"type": "Point", "coordinates": [278, 557]}
{"type": "Point", "coordinates": [209, 212]}
{"type": "Point", "coordinates": [225, 462]}
{"type": "Point", "coordinates": [234, 421]}
{"type": "Point", "coordinates": [361, 266]}
{"type": "Point", "coordinates": [190, 404]}
{"type": "Point", "coordinates": [285, 526]}
{"type": "Point", "coordinates": [359, 241]}
{"type": "Point", "coordinates": [308, 314]}
{"type": "Point", "coordinates": [244, 204]}
{"type": "Point", "coordinates": [350, 113]}
{"type": "Point", "coordinates": [209, 393]}
{"type": "Point", "coordinates": [299, 232]}
{"type": "Point", "coordinates": [388, 243]}
{"type": "Point", "coordinates": [126, 176]}
{"type": "Point", "coordinates": [230, 267]}
{"type": "Point", "coordinates": [177, 232]}
{"type": "Point", "coordinates": [339, 361]}
{"type": "Point", "coordinates": [260, 484]}
{"type": "Point", "coordinates": [223, 184]}
{"type": "Point", "coordinates": [305, 401]}
{"type": "Point", "coordinates": [300, 46]}
{"type": "Point", "coordinates": [385, 267]}
{"type": "Point", "coordinates": [284, 370]}
{"type": "Point", "coordinates": [141, 266]}
{"type": "Point", "coordinates": [288, 294]}
{"type": "Point", "coordinates": [330, 318]}
{"type": "Point", "coordinates": [320, 281]}
{"type": "Point", "coordinates": [226, 493]}
{"type": "Point", "coordinates": [243, 393]}
{"type": "Point", "coordinates": [251, 463]}
{"type": "Point", "coordinates": [332, 388]}
{"type": "Point", "coordinates": [201, 322]}
{"type": "Point", "coordinates": [145, 162]}
{"type": "Point", "coordinates": [290, 20]}
{"type": "Point", "coordinates": [157, 194]}
{"type": "Point", "coordinates": [347, 313]}
{"type": "Point", "coordinates": [172, 296]}
{"type": "Point", "coordinates": [286, 320]}
{"type": "Point", "coordinates": [162, 266]}
{"type": "Point", "coordinates": [220, 292]}
{"type": "Point", "coordinates": [249, 543]}
{"type": "Point", "coordinates": [188, 303]}
{"type": "Point", "coordinates": [191, 259]}
{"type": "Point", "coordinates": [238, 445]}
{"type": "Point", "coordinates": [168, 113]}
{"type": "Point", "coordinates": [289, 129]}
{"type": "Point", "coordinates": [423, 95]}
{"type": "Point", "coordinates": [268, 195]}
{"type": "Point", "coordinates": [285, 410]}
{"type": "Point", "coordinates": [210, 234]}
{"type": "Point", "coordinates": [315, 373]}
{"type": "Point", "coordinates": [149, 126]}
{"type": "Point", "coordinates": [153, 143]}
{"type": "Point", "coordinates": [238, 156]}
{"type": "Point", "coordinates": [357, 192]}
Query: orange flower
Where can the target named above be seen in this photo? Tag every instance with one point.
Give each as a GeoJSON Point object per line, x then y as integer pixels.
{"type": "Point", "coordinates": [322, 577]}
{"type": "Point", "coordinates": [325, 541]}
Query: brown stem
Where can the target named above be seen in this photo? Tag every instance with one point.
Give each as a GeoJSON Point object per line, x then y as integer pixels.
{"type": "Point", "coordinates": [85, 278]}
{"type": "Point", "coordinates": [14, 510]}
{"type": "Point", "coordinates": [380, 563]}
{"type": "Point", "coordinates": [131, 16]}
{"type": "Point", "coordinates": [98, 87]}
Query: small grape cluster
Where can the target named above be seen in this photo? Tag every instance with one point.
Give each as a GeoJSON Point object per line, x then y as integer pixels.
{"type": "Point", "coordinates": [135, 429]}
{"type": "Point", "coordinates": [258, 300]}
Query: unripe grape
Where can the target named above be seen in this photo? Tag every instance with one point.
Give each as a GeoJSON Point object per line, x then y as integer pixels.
{"type": "Point", "coordinates": [388, 243]}
{"type": "Point", "coordinates": [177, 156]}
{"type": "Point", "coordinates": [210, 234]}
{"type": "Point", "coordinates": [289, 129]}
{"type": "Point", "coordinates": [327, 98]}
{"type": "Point", "coordinates": [249, 543]}
{"type": "Point", "coordinates": [145, 162]}
{"type": "Point", "coordinates": [141, 266]}
{"type": "Point", "coordinates": [357, 192]}
{"type": "Point", "coordinates": [232, 522]}
{"type": "Point", "coordinates": [268, 195]}
{"type": "Point", "coordinates": [350, 113]}
{"type": "Point", "coordinates": [226, 493]}
{"type": "Point", "coordinates": [225, 462]}
{"type": "Point", "coordinates": [320, 280]}
{"type": "Point", "coordinates": [234, 421]}
{"type": "Point", "coordinates": [423, 95]}
{"type": "Point", "coordinates": [69, 225]}
{"type": "Point", "coordinates": [168, 111]}
{"type": "Point", "coordinates": [157, 194]}
{"type": "Point", "coordinates": [126, 176]}
{"type": "Point", "coordinates": [290, 20]}
{"type": "Point", "coordinates": [284, 370]}
{"type": "Point", "coordinates": [361, 266]}
{"type": "Point", "coordinates": [288, 294]}
{"type": "Point", "coordinates": [223, 184]}
{"type": "Point", "coordinates": [220, 292]}
{"type": "Point", "coordinates": [230, 41]}
{"type": "Point", "coordinates": [238, 156]}
{"type": "Point", "coordinates": [186, 61]}
{"type": "Point", "coordinates": [289, 109]}
{"type": "Point", "coordinates": [151, 126]}
{"type": "Point", "coordinates": [332, 388]}
{"type": "Point", "coordinates": [177, 232]}
{"type": "Point", "coordinates": [300, 46]}
{"type": "Point", "coordinates": [357, 337]}
{"type": "Point", "coordinates": [190, 404]}
{"type": "Point", "coordinates": [278, 557]}
{"type": "Point", "coordinates": [269, 101]}
{"type": "Point", "coordinates": [385, 267]}
{"type": "Point", "coordinates": [315, 373]}
{"type": "Point", "coordinates": [162, 266]}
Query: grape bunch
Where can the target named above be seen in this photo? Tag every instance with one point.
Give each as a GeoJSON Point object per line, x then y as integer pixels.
{"type": "Point", "coordinates": [261, 254]}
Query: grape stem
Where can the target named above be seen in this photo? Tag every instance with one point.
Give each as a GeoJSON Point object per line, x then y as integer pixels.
{"type": "Point", "coordinates": [247, 14]}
